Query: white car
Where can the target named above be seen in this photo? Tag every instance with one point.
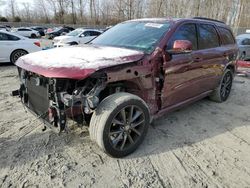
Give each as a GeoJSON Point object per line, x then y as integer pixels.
{"type": "Point", "coordinates": [78, 36]}
{"type": "Point", "coordinates": [13, 46]}
{"type": "Point", "coordinates": [27, 32]}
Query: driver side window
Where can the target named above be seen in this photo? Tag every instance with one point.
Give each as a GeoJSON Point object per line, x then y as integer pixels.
{"type": "Point", "coordinates": [246, 42]}
{"type": "Point", "coordinates": [86, 33]}
{"type": "Point", "coordinates": [185, 32]}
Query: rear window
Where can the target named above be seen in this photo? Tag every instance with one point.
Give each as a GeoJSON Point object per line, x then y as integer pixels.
{"type": "Point", "coordinates": [227, 36]}
{"type": "Point", "coordinates": [208, 37]}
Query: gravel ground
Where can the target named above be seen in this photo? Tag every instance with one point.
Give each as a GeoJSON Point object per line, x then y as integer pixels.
{"type": "Point", "coordinates": [203, 145]}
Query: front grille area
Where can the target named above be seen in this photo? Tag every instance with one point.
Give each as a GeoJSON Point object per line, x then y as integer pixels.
{"type": "Point", "coordinates": [38, 100]}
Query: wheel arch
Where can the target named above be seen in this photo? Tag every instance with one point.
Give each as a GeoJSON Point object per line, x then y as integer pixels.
{"type": "Point", "coordinates": [231, 67]}
{"type": "Point", "coordinates": [127, 86]}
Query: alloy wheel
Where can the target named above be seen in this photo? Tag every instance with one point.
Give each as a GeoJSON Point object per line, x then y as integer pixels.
{"type": "Point", "coordinates": [127, 127]}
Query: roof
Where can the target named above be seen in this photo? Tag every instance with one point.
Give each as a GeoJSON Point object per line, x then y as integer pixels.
{"type": "Point", "coordinates": [162, 20]}
{"type": "Point", "coordinates": [246, 35]}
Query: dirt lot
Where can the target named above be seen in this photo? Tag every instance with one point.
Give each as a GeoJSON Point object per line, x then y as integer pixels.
{"type": "Point", "coordinates": [203, 145]}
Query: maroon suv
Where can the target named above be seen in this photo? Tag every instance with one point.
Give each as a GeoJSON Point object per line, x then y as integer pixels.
{"type": "Point", "coordinates": [131, 74]}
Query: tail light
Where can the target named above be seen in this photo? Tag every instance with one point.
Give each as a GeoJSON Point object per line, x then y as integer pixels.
{"type": "Point", "coordinates": [37, 44]}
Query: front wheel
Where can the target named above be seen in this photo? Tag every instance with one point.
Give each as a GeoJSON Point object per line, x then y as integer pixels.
{"type": "Point", "coordinates": [222, 92]}
{"type": "Point", "coordinates": [119, 124]}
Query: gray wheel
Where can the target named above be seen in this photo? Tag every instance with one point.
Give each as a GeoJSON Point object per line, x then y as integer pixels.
{"type": "Point", "coordinates": [16, 54]}
{"type": "Point", "coordinates": [119, 124]}
{"type": "Point", "coordinates": [222, 92]}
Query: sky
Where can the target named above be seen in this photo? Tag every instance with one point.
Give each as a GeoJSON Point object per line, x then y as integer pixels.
{"type": "Point", "coordinates": [4, 7]}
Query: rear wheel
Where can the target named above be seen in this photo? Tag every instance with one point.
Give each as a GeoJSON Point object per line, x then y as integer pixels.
{"type": "Point", "coordinates": [33, 35]}
{"type": "Point", "coordinates": [73, 43]}
{"type": "Point", "coordinates": [243, 56]}
{"type": "Point", "coordinates": [222, 92]}
{"type": "Point", "coordinates": [16, 54]}
{"type": "Point", "coordinates": [119, 124]}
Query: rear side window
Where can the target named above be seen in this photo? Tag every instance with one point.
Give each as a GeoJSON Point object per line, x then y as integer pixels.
{"type": "Point", "coordinates": [94, 33]}
{"type": "Point", "coordinates": [12, 37]}
{"type": "Point", "coordinates": [24, 30]}
{"type": "Point", "coordinates": [208, 37]}
{"type": "Point", "coordinates": [3, 36]}
{"type": "Point", "coordinates": [185, 32]}
{"type": "Point", "coordinates": [227, 36]}
{"type": "Point", "coordinates": [6, 37]}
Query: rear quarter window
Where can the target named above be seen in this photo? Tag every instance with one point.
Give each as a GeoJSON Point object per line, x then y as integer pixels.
{"type": "Point", "coordinates": [7, 37]}
{"type": "Point", "coordinates": [227, 36]}
{"type": "Point", "coordinates": [208, 37]}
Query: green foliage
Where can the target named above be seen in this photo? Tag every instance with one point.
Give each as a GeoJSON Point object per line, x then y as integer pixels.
{"type": "Point", "coordinates": [3, 19]}
{"type": "Point", "coordinates": [17, 19]}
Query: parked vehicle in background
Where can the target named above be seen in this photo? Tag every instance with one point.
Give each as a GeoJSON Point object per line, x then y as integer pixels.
{"type": "Point", "coordinates": [5, 27]}
{"type": "Point", "coordinates": [26, 32]}
{"type": "Point", "coordinates": [2, 27]}
{"type": "Point", "coordinates": [14, 46]}
{"type": "Point", "coordinates": [40, 29]}
{"type": "Point", "coordinates": [131, 74]}
{"type": "Point", "coordinates": [243, 42]}
{"type": "Point", "coordinates": [78, 36]}
{"type": "Point", "coordinates": [59, 31]}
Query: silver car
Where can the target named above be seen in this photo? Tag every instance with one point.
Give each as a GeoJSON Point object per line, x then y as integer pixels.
{"type": "Point", "coordinates": [243, 42]}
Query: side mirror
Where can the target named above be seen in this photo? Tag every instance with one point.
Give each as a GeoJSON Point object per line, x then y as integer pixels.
{"type": "Point", "coordinates": [82, 35]}
{"type": "Point", "coordinates": [181, 47]}
{"type": "Point", "coordinates": [63, 33]}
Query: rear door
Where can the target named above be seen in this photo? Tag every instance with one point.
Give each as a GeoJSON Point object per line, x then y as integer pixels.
{"type": "Point", "coordinates": [211, 54]}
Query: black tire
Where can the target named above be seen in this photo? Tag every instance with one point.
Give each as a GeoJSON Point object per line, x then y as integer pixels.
{"type": "Point", "coordinates": [73, 43]}
{"type": "Point", "coordinates": [33, 35]}
{"type": "Point", "coordinates": [16, 54]}
{"type": "Point", "coordinates": [243, 56]}
{"type": "Point", "coordinates": [106, 127]}
{"type": "Point", "coordinates": [222, 92]}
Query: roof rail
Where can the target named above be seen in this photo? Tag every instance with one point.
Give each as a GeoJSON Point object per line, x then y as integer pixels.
{"type": "Point", "coordinates": [209, 19]}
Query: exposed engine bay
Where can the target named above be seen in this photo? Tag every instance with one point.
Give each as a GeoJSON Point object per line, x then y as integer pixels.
{"type": "Point", "coordinates": [55, 100]}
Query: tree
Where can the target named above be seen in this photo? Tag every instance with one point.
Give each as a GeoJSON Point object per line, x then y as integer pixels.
{"type": "Point", "coordinates": [3, 19]}
{"type": "Point", "coordinates": [17, 19]}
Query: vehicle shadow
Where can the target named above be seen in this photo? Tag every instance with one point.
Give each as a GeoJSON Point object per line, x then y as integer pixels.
{"type": "Point", "coordinates": [197, 122]}
{"type": "Point", "coordinates": [192, 124]}
{"type": "Point", "coordinates": [6, 64]}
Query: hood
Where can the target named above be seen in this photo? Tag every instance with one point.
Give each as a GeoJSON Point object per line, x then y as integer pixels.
{"type": "Point", "coordinates": [76, 62]}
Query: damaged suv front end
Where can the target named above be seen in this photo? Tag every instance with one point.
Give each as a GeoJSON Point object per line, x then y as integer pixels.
{"type": "Point", "coordinates": [55, 92]}
{"type": "Point", "coordinates": [54, 100]}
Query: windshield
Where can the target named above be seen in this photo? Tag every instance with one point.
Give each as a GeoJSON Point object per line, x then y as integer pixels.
{"type": "Point", "coordinates": [137, 35]}
{"type": "Point", "coordinates": [56, 29]}
{"type": "Point", "coordinates": [75, 32]}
